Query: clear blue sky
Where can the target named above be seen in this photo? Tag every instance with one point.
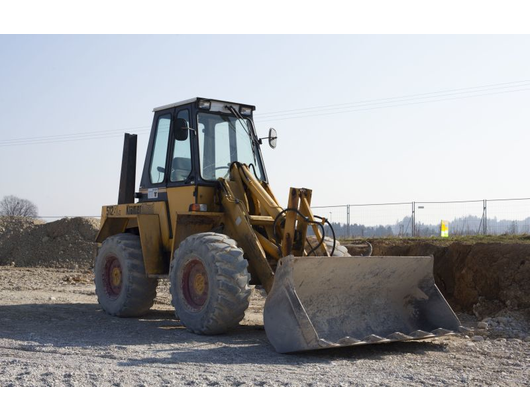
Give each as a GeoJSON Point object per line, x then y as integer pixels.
{"type": "Point", "coordinates": [446, 150]}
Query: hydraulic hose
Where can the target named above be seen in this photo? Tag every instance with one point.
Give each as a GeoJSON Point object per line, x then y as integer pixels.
{"type": "Point", "coordinates": [308, 221]}
{"type": "Point", "coordinates": [332, 232]}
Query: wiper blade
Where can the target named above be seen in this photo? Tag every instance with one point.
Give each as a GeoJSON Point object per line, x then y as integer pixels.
{"type": "Point", "coordinates": [239, 117]}
{"type": "Point", "coordinates": [234, 111]}
{"type": "Point", "coordinates": [252, 136]}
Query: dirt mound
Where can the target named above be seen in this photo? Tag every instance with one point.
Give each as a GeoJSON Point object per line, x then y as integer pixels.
{"type": "Point", "coordinates": [483, 278]}
{"type": "Point", "coordinates": [65, 243]}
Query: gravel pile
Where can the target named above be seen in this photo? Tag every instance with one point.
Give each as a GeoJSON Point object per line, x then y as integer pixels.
{"type": "Point", "coordinates": [65, 243]}
{"type": "Point", "coordinates": [505, 325]}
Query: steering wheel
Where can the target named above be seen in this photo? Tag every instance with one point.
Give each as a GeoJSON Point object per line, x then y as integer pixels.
{"type": "Point", "coordinates": [215, 168]}
{"type": "Point", "coordinates": [223, 167]}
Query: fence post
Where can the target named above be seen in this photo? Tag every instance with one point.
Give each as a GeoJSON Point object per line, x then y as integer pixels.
{"type": "Point", "coordinates": [485, 213]}
{"type": "Point", "coordinates": [348, 220]}
{"type": "Point", "coordinates": [413, 228]}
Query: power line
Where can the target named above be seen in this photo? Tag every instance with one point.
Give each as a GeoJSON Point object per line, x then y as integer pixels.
{"type": "Point", "coordinates": [402, 98]}
{"type": "Point", "coordinates": [382, 107]}
{"type": "Point", "coordinates": [88, 133]}
{"type": "Point", "coordinates": [365, 105]}
{"type": "Point", "coordinates": [66, 140]}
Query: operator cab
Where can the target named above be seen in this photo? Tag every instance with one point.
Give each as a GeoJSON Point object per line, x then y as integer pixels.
{"type": "Point", "coordinates": [194, 142]}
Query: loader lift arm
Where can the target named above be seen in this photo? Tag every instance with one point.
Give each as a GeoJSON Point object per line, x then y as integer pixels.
{"type": "Point", "coordinates": [271, 232]}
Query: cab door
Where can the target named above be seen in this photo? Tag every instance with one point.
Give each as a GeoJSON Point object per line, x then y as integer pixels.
{"type": "Point", "coordinates": [180, 176]}
{"type": "Point", "coordinates": [168, 168]}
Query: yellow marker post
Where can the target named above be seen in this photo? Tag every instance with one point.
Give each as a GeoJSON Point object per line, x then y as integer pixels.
{"type": "Point", "coordinates": [444, 229]}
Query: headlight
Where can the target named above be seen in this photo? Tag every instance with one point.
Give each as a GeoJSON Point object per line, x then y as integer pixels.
{"type": "Point", "coordinates": [245, 110]}
{"type": "Point", "coordinates": [205, 104]}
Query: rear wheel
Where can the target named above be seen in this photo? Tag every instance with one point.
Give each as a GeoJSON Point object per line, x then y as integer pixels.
{"type": "Point", "coordinates": [340, 250]}
{"type": "Point", "coordinates": [122, 287]}
{"type": "Point", "coordinates": [209, 283]}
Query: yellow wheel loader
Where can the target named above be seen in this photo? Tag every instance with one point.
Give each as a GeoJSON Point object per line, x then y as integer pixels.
{"type": "Point", "coordinates": [206, 218]}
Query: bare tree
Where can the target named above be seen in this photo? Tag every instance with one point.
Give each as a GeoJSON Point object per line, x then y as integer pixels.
{"type": "Point", "coordinates": [14, 206]}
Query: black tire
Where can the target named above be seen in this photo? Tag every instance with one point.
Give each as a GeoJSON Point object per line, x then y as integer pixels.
{"type": "Point", "coordinates": [133, 293]}
{"type": "Point", "coordinates": [209, 283]}
{"type": "Point", "coordinates": [340, 250]}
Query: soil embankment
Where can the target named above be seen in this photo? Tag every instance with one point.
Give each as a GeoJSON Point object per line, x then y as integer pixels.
{"type": "Point", "coordinates": [479, 277]}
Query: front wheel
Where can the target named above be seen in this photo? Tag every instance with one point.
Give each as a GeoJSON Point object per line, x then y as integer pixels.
{"type": "Point", "coordinates": [209, 283]}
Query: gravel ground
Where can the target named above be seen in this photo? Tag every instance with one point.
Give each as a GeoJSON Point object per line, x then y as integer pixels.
{"type": "Point", "coordinates": [52, 333]}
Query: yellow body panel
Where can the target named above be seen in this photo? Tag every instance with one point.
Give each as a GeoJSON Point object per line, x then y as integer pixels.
{"type": "Point", "coordinates": [179, 200]}
{"type": "Point", "coordinates": [190, 223]}
{"type": "Point", "coordinates": [161, 225]}
{"type": "Point", "coordinates": [152, 248]}
{"type": "Point", "coordinates": [125, 216]}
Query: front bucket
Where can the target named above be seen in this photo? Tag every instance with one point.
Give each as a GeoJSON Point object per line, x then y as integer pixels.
{"type": "Point", "coordinates": [322, 302]}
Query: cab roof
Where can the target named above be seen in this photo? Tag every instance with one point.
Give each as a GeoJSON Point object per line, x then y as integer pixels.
{"type": "Point", "coordinates": [197, 99]}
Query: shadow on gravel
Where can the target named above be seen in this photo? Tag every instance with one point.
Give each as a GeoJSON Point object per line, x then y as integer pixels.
{"type": "Point", "coordinates": [86, 325]}
{"type": "Point", "coordinates": [228, 352]}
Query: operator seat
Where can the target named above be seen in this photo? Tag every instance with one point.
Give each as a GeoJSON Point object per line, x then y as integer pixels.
{"type": "Point", "coordinates": [180, 169]}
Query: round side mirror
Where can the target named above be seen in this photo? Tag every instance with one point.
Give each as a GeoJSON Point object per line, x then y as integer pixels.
{"type": "Point", "coordinates": [272, 138]}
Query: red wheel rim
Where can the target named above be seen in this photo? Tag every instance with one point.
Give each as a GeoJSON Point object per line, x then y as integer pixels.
{"type": "Point", "coordinates": [112, 277]}
{"type": "Point", "coordinates": [195, 284]}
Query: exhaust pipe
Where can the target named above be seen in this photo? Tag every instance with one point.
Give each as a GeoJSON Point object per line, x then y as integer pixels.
{"type": "Point", "coordinates": [128, 170]}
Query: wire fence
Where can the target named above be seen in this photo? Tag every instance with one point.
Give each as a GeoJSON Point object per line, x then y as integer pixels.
{"type": "Point", "coordinates": [424, 219]}
{"type": "Point", "coordinates": [509, 216]}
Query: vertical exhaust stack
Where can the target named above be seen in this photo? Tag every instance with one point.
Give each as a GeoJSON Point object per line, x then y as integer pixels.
{"type": "Point", "coordinates": [128, 170]}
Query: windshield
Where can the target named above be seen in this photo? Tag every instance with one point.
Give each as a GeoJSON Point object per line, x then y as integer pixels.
{"type": "Point", "coordinates": [224, 139]}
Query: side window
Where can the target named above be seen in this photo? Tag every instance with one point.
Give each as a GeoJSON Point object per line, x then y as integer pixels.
{"type": "Point", "coordinates": [181, 162]}
{"type": "Point", "coordinates": [223, 151]}
{"type": "Point", "coordinates": [158, 160]}
{"type": "Point", "coordinates": [217, 146]}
